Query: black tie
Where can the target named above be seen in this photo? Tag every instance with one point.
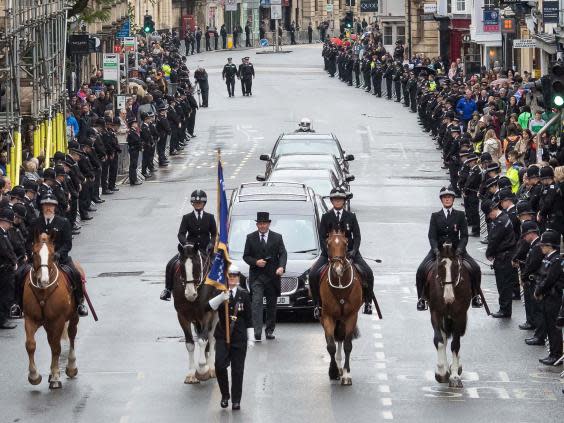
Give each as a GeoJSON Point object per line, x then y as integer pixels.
{"type": "Point", "coordinates": [262, 240]}
{"type": "Point", "coordinates": [230, 295]}
{"type": "Point", "coordinates": [448, 213]}
{"type": "Point", "coordinates": [338, 215]}
{"type": "Point", "coordinates": [199, 217]}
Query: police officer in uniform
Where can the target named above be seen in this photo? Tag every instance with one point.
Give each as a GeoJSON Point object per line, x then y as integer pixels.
{"type": "Point", "coordinates": [365, 69]}
{"type": "Point", "coordinates": [549, 293]}
{"type": "Point", "coordinates": [551, 203]}
{"type": "Point", "coordinates": [501, 245]}
{"type": "Point", "coordinates": [246, 73]}
{"type": "Point", "coordinates": [336, 218]}
{"type": "Point", "coordinates": [197, 228]}
{"type": "Point", "coordinates": [241, 338]}
{"type": "Point", "coordinates": [8, 265]}
{"type": "Point", "coordinates": [134, 147]}
{"type": "Point", "coordinates": [229, 73]}
{"type": "Point", "coordinates": [470, 191]}
{"type": "Point", "coordinates": [448, 225]}
{"type": "Point", "coordinates": [376, 71]}
{"type": "Point", "coordinates": [398, 73]}
{"type": "Point", "coordinates": [59, 229]}
{"type": "Point", "coordinates": [163, 130]}
{"type": "Point", "coordinates": [388, 76]}
{"type": "Point", "coordinates": [148, 142]}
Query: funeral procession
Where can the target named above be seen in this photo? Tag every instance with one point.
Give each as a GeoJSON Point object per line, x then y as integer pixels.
{"type": "Point", "coordinates": [281, 211]}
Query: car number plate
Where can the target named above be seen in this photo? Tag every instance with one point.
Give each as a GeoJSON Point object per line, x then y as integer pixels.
{"type": "Point", "coordinates": [279, 301]}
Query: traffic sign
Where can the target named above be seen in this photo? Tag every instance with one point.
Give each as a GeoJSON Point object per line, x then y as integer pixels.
{"type": "Point", "coordinates": [524, 43]}
{"type": "Point", "coordinates": [275, 11]}
{"type": "Point", "coordinates": [129, 44]}
{"type": "Point", "coordinates": [230, 5]}
{"type": "Point", "coordinates": [264, 42]}
{"type": "Point", "coordinates": [329, 8]}
{"type": "Point", "coordinates": [110, 67]}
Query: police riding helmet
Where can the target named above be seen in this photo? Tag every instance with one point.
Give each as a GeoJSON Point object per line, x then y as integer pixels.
{"type": "Point", "coordinates": [446, 191]}
{"type": "Point", "coordinates": [338, 193]}
{"type": "Point", "coordinates": [550, 238]}
{"type": "Point", "coordinates": [49, 199]}
{"type": "Point", "coordinates": [305, 124]}
{"type": "Point", "coordinates": [199, 195]}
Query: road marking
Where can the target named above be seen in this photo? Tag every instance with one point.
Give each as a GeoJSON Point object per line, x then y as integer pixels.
{"type": "Point", "coordinates": [380, 355]}
{"type": "Point", "coordinates": [378, 345]}
{"type": "Point", "coordinates": [384, 389]}
{"type": "Point", "coordinates": [386, 402]}
{"type": "Point", "coordinates": [387, 415]}
{"type": "Point", "coordinates": [503, 377]}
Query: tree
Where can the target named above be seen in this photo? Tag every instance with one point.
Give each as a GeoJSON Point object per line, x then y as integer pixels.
{"type": "Point", "coordinates": [90, 14]}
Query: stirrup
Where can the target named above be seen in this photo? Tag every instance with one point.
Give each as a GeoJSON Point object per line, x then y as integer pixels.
{"type": "Point", "coordinates": [367, 308]}
{"type": "Point", "coordinates": [165, 295]}
{"type": "Point", "coordinates": [477, 302]}
{"type": "Point", "coordinates": [317, 312]}
{"type": "Point", "coordinates": [16, 312]}
{"type": "Point", "coordinates": [421, 304]}
{"type": "Point", "coordinates": [82, 310]}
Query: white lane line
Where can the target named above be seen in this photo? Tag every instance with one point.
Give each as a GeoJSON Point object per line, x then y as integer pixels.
{"type": "Point", "coordinates": [384, 389]}
{"type": "Point", "coordinates": [380, 365]}
{"type": "Point", "coordinates": [124, 419]}
{"type": "Point", "coordinates": [386, 402]}
{"type": "Point", "coordinates": [382, 376]}
{"type": "Point", "coordinates": [387, 415]}
{"type": "Point", "coordinates": [379, 345]}
{"type": "Point", "coordinates": [380, 356]}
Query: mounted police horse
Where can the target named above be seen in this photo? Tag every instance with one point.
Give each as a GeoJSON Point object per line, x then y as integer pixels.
{"type": "Point", "coordinates": [48, 301]}
{"type": "Point", "coordinates": [449, 291]}
{"type": "Point", "coordinates": [341, 296]}
{"type": "Point", "coordinates": [188, 283]}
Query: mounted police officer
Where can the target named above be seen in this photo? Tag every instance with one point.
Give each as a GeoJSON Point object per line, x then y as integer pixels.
{"type": "Point", "coordinates": [197, 228]}
{"type": "Point", "coordinates": [337, 218]}
{"type": "Point", "coordinates": [60, 231]}
{"type": "Point", "coordinates": [241, 337]}
{"type": "Point", "coordinates": [448, 225]}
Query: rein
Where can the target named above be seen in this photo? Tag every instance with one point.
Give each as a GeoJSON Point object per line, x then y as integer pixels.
{"type": "Point", "coordinates": [202, 273]}
{"type": "Point", "coordinates": [458, 279]}
{"type": "Point", "coordinates": [350, 266]}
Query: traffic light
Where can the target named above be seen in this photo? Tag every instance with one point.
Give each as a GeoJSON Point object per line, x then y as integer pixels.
{"type": "Point", "coordinates": [148, 24]}
{"type": "Point", "coordinates": [348, 20]}
{"type": "Point", "coordinates": [557, 78]}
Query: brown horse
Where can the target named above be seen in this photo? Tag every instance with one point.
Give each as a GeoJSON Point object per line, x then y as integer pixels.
{"type": "Point", "coordinates": [449, 291]}
{"type": "Point", "coordinates": [341, 296]}
{"type": "Point", "coordinates": [188, 284]}
{"type": "Point", "coordinates": [48, 301]}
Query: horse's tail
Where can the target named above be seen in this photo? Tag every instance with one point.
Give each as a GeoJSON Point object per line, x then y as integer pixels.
{"type": "Point", "coordinates": [340, 333]}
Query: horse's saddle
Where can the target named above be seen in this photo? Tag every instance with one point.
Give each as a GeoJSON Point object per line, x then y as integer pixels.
{"type": "Point", "coordinates": [71, 276]}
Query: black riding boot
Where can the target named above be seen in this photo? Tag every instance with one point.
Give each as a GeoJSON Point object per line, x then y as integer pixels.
{"type": "Point", "coordinates": [475, 280]}
{"type": "Point", "coordinates": [78, 291]}
{"type": "Point", "coordinates": [166, 294]}
{"type": "Point", "coordinates": [420, 284]}
{"type": "Point", "coordinates": [367, 296]}
{"type": "Point", "coordinates": [17, 309]}
{"type": "Point", "coordinates": [316, 298]}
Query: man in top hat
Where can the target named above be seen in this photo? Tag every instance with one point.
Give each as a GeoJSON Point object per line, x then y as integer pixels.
{"type": "Point", "coordinates": [549, 293]}
{"type": "Point", "coordinates": [8, 265]}
{"type": "Point", "coordinates": [266, 256]}
{"type": "Point", "coordinates": [241, 337]}
{"type": "Point", "coordinates": [229, 73]}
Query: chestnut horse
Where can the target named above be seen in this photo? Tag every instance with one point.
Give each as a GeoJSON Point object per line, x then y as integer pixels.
{"type": "Point", "coordinates": [188, 284]}
{"type": "Point", "coordinates": [341, 296]}
{"type": "Point", "coordinates": [48, 301]}
{"type": "Point", "coordinates": [449, 291]}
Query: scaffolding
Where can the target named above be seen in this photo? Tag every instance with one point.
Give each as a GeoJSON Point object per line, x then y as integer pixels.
{"type": "Point", "coordinates": [33, 37]}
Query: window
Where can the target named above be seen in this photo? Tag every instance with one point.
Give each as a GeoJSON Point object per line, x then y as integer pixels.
{"type": "Point", "coordinates": [449, 6]}
{"type": "Point", "coordinates": [400, 33]}
{"type": "Point", "coordinates": [461, 6]}
{"type": "Point", "coordinates": [490, 4]}
{"type": "Point", "coordinates": [388, 36]}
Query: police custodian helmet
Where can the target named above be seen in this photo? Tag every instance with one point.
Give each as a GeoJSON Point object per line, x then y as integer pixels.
{"type": "Point", "coordinates": [199, 195]}
{"type": "Point", "coordinates": [338, 193]}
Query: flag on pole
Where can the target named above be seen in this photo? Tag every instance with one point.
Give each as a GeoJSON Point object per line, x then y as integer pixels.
{"type": "Point", "coordinates": [217, 275]}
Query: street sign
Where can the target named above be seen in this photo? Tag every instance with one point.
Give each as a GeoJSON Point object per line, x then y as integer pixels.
{"type": "Point", "coordinates": [230, 5]}
{"type": "Point", "coordinates": [110, 67]}
{"type": "Point", "coordinates": [275, 11]}
{"type": "Point", "coordinates": [368, 6]}
{"type": "Point", "coordinates": [329, 8]}
{"type": "Point", "coordinates": [550, 12]}
{"type": "Point", "coordinates": [129, 44]}
{"type": "Point", "coordinates": [78, 44]}
{"type": "Point", "coordinates": [491, 21]}
{"type": "Point", "coordinates": [276, 2]}
{"type": "Point", "coordinates": [430, 8]}
{"type": "Point", "coordinates": [123, 30]}
{"type": "Point", "coordinates": [264, 42]}
{"type": "Point", "coordinates": [524, 43]}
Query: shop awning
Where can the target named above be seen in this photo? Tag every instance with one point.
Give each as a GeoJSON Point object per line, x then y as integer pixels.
{"type": "Point", "coordinates": [546, 42]}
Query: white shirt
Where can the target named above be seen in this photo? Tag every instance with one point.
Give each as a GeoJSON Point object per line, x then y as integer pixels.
{"type": "Point", "coordinates": [198, 214]}
{"type": "Point", "coordinates": [265, 235]}
{"type": "Point", "coordinates": [234, 291]}
{"type": "Point", "coordinates": [49, 220]}
{"type": "Point", "coordinates": [338, 213]}
{"type": "Point", "coordinates": [446, 211]}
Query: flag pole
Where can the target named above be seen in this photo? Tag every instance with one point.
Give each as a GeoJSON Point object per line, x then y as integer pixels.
{"type": "Point", "coordinates": [225, 303]}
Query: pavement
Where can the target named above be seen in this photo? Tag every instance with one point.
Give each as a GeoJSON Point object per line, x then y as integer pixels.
{"type": "Point", "coordinates": [132, 363]}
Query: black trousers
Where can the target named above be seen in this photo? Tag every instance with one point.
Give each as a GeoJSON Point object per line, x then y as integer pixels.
{"type": "Point", "coordinates": [389, 88]}
{"type": "Point", "coordinates": [248, 41]}
{"type": "Point", "coordinates": [95, 185]}
{"type": "Point", "coordinates": [191, 122]}
{"type": "Point", "coordinates": [471, 206]}
{"type": "Point", "coordinates": [246, 85]}
{"type": "Point", "coordinates": [215, 41]}
{"type": "Point", "coordinates": [147, 158]}
{"type": "Point", "coordinates": [205, 96]}
{"type": "Point", "coordinates": [208, 47]}
{"type": "Point", "coordinates": [357, 78]}
{"type": "Point", "coordinates": [550, 306]}
{"type": "Point", "coordinates": [535, 311]}
{"type": "Point", "coordinates": [133, 163]}
{"type": "Point", "coordinates": [505, 278]}
{"type": "Point", "coordinates": [85, 197]}
{"type": "Point", "coordinates": [405, 94]}
{"type": "Point", "coordinates": [73, 211]}
{"type": "Point", "coordinates": [377, 83]}
{"type": "Point", "coordinates": [413, 100]}
{"type": "Point", "coordinates": [104, 174]}
{"type": "Point", "coordinates": [453, 168]}
{"type": "Point", "coordinates": [263, 289]}
{"type": "Point", "coordinates": [224, 42]}
{"type": "Point", "coordinates": [469, 262]}
{"type": "Point", "coordinates": [230, 86]}
{"type": "Point", "coordinates": [113, 170]}
{"type": "Point", "coordinates": [174, 137]}
{"type": "Point", "coordinates": [397, 89]}
{"type": "Point", "coordinates": [7, 277]}
{"type": "Point", "coordinates": [161, 148]}
{"type": "Point", "coordinates": [367, 83]}
{"type": "Point", "coordinates": [362, 266]}
{"type": "Point", "coordinates": [310, 37]}
{"type": "Point", "coordinates": [230, 355]}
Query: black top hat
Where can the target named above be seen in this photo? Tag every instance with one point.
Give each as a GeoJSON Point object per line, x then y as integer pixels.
{"type": "Point", "coordinates": [263, 217]}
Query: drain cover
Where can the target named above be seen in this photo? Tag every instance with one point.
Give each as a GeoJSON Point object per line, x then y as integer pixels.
{"type": "Point", "coordinates": [170, 339]}
{"type": "Point", "coordinates": [119, 274]}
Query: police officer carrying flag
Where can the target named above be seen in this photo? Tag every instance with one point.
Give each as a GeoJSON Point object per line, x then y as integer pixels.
{"type": "Point", "coordinates": [241, 338]}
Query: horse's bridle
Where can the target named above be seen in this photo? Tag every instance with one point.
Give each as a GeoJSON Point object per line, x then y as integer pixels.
{"type": "Point", "coordinates": [458, 279]}
{"type": "Point", "coordinates": [202, 272]}
{"type": "Point", "coordinates": [341, 260]}
{"type": "Point", "coordinates": [33, 271]}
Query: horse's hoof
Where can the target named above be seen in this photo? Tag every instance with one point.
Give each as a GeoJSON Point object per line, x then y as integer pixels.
{"type": "Point", "coordinates": [442, 379]}
{"type": "Point", "coordinates": [334, 373]}
{"type": "Point", "coordinates": [455, 382]}
{"type": "Point", "coordinates": [212, 373]}
{"type": "Point", "coordinates": [203, 376]}
{"type": "Point", "coordinates": [71, 373]}
{"type": "Point", "coordinates": [56, 384]}
{"type": "Point", "coordinates": [191, 380]}
{"type": "Point", "coordinates": [346, 381]}
{"type": "Point", "coordinates": [35, 381]}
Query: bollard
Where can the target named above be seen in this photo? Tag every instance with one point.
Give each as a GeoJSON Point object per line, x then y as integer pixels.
{"type": "Point", "coordinates": [48, 141]}
{"type": "Point", "coordinates": [18, 160]}
{"type": "Point", "coordinates": [36, 140]}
